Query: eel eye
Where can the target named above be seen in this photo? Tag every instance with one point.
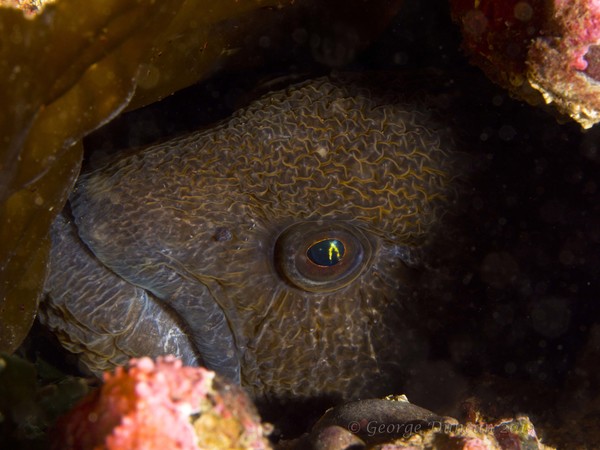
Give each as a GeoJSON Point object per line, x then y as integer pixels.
{"type": "Point", "coordinates": [326, 253]}
{"type": "Point", "coordinates": [321, 257]}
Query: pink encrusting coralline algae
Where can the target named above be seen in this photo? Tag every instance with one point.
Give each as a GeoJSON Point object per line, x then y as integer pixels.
{"type": "Point", "coordinates": [162, 405]}
{"type": "Point", "coordinates": [539, 50]}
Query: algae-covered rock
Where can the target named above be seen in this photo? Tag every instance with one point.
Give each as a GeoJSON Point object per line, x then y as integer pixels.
{"type": "Point", "coordinates": [541, 51]}
{"type": "Point", "coordinates": [395, 424]}
{"type": "Point", "coordinates": [159, 405]}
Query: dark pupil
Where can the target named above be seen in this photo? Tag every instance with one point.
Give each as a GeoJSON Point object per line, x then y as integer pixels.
{"type": "Point", "coordinates": [327, 252]}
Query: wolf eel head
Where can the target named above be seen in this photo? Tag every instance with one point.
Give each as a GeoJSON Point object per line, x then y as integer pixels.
{"type": "Point", "coordinates": [286, 239]}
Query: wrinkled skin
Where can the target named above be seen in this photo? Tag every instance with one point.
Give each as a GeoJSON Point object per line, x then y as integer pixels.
{"type": "Point", "coordinates": [198, 246]}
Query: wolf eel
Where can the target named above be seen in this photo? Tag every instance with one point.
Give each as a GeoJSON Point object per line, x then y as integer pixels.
{"type": "Point", "coordinates": [279, 247]}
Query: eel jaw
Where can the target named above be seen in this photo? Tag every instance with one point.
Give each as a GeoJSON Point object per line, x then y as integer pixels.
{"type": "Point", "coordinates": [102, 317]}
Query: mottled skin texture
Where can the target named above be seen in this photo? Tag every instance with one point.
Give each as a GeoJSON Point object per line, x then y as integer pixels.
{"type": "Point", "coordinates": [191, 225]}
